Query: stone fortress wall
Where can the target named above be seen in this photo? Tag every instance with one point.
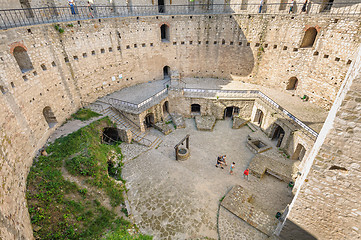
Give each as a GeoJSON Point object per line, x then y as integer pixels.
{"type": "Point", "coordinates": [93, 58]}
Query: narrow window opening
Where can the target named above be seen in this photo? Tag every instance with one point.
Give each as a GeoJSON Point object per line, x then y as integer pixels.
{"type": "Point", "coordinates": [43, 67]}
{"type": "Point", "coordinates": [23, 59]}
{"type": "Point", "coordinates": [53, 64]}
{"type": "Point", "coordinates": [309, 38]}
{"type": "Point", "coordinates": [164, 32]}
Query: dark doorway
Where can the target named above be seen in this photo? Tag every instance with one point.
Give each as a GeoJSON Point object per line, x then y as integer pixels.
{"type": "Point", "coordinates": [110, 135]}
{"type": "Point", "coordinates": [49, 117]}
{"type": "Point", "coordinates": [259, 117]}
{"type": "Point", "coordinates": [278, 135]}
{"type": "Point", "coordinates": [166, 107]}
{"type": "Point", "coordinates": [196, 108]}
{"type": "Point", "coordinates": [149, 120]}
{"type": "Point", "coordinates": [309, 38]}
{"type": "Point", "coordinates": [230, 112]}
{"type": "Point", "coordinates": [161, 7]}
{"type": "Point", "coordinates": [166, 71]}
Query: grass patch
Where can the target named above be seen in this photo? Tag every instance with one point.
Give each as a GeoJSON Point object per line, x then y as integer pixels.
{"type": "Point", "coordinates": [85, 114]}
{"type": "Point", "coordinates": [60, 209]}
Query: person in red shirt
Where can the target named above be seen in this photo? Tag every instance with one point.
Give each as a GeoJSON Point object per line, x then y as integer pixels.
{"type": "Point", "coordinates": [245, 173]}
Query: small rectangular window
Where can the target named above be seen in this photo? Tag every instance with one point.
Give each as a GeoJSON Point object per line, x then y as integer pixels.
{"type": "Point", "coordinates": [66, 59]}
{"type": "Point", "coordinates": [118, 48]}
{"type": "Point", "coordinates": [102, 50]}
{"type": "Point", "coordinates": [75, 57]}
{"type": "Point", "coordinates": [285, 48]}
{"type": "Point", "coordinates": [231, 43]}
{"type": "Point", "coordinates": [43, 67]}
{"type": "Point", "coordinates": [85, 55]}
{"type": "Point", "coordinates": [2, 89]}
{"type": "Point", "coordinates": [190, 42]}
{"type": "Point", "coordinates": [110, 49]}
{"type": "Point", "coordinates": [128, 47]}
{"type": "Point", "coordinates": [174, 43]}
{"type": "Point", "coordinates": [274, 46]}
{"type": "Point", "coordinates": [143, 44]}
{"type": "Point", "coordinates": [325, 56]}
{"type": "Point", "coordinates": [93, 52]}
{"type": "Point", "coordinates": [151, 44]}
{"type": "Point", "coordinates": [53, 64]}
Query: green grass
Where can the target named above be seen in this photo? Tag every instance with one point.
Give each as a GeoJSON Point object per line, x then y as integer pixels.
{"type": "Point", "coordinates": [59, 209]}
{"type": "Point", "coordinates": [85, 114]}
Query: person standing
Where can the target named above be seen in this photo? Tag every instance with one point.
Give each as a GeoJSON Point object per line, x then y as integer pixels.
{"type": "Point", "coordinates": [260, 6]}
{"type": "Point", "coordinates": [246, 173]}
{"type": "Point", "coordinates": [291, 7]}
{"type": "Point", "coordinates": [72, 8]}
{"type": "Point", "coordinates": [232, 168]}
{"type": "Point", "coordinates": [304, 7]}
{"type": "Point", "coordinates": [90, 8]}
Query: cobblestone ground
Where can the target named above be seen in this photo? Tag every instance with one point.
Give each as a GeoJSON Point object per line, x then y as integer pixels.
{"type": "Point", "coordinates": [179, 200]}
{"type": "Point", "coordinates": [231, 227]}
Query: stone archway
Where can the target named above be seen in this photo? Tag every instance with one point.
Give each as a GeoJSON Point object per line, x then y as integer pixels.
{"type": "Point", "coordinates": [22, 58]}
{"type": "Point", "coordinates": [195, 109]}
{"type": "Point", "coordinates": [278, 134]}
{"type": "Point", "coordinates": [230, 111]}
{"type": "Point", "coordinates": [166, 72]}
{"type": "Point", "coordinates": [149, 120]}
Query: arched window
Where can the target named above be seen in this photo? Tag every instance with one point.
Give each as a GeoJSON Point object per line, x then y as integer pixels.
{"type": "Point", "coordinates": [309, 38]}
{"type": "Point", "coordinates": [49, 117]}
{"type": "Point", "coordinates": [292, 83]}
{"type": "Point", "coordinates": [23, 59]}
{"type": "Point", "coordinates": [164, 33]}
{"type": "Point", "coordinates": [166, 72]}
{"type": "Point", "coordinates": [196, 108]}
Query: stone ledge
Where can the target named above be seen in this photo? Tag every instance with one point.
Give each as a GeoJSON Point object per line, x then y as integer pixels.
{"type": "Point", "coordinates": [205, 123]}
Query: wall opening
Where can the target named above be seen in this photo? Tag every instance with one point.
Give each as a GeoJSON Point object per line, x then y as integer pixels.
{"type": "Point", "coordinates": [196, 109]}
{"type": "Point", "coordinates": [299, 152]}
{"type": "Point", "coordinates": [149, 120]}
{"type": "Point", "coordinates": [166, 72]}
{"type": "Point", "coordinates": [23, 59]}
{"type": "Point", "coordinates": [49, 117]}
{"type": "Point", "coordinates": [110, 135]}
{"type": "Point", "coordinates": [292, 83]}
{"type": "Point", "coordinates": [326, 5]}
{"type": "Point", "coordinates": [309, 38]}
{"type": "Point", "coordinates": [229, 112]}
{"type": "Point", "coordinates": [165, 107]}
{"type": "Point", "coordinates": [278, 135]}
{"type": "Point", "coordinates": [164, 33]}
{"type": "Point", "coordinates": [25, 4]}
{"type": "Point", "coordinates": [259, 117]}
{"type": "Point", "coordinates": [161, 7]}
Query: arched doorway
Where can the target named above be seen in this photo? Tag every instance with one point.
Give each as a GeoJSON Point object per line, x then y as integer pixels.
{"type": "Point", "coordinates": [299, 152]}
{"type": "Point", "coordinates": [278, 134]}
{"type": "Point", "coordinates": [49, 117]}
{"type": "Point", "coordinates": [230, 112]}
{"type": "Point", "coordinates": [309, 38]}
{"type": "Point", "coordinates": [259, 117]}
{"type": "Point", "coordinates": [292, 83]}
{"type": "Point", "coordinates": [165, 107]}
{"type": "Point", "coordinates": [149, 120]}
{"type": "Point", "coordinates": [195, 109]}
{"type": "Point", "coordinates": [161, 7]}
{"type": "Point", "coordinates": [166, 72]}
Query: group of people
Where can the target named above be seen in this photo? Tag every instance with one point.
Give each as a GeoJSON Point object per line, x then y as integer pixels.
{"type": "Point", "coordinates": [74, 11]}
{"type": "Point", "coordinates": [221, 161]}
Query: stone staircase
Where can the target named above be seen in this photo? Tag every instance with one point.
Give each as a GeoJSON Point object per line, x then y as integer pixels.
{"type": "Point", "coordinates": [138, 136]}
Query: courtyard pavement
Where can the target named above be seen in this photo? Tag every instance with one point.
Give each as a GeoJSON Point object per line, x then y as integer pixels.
{"type": "Point", "coordinates": [170, 199]}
